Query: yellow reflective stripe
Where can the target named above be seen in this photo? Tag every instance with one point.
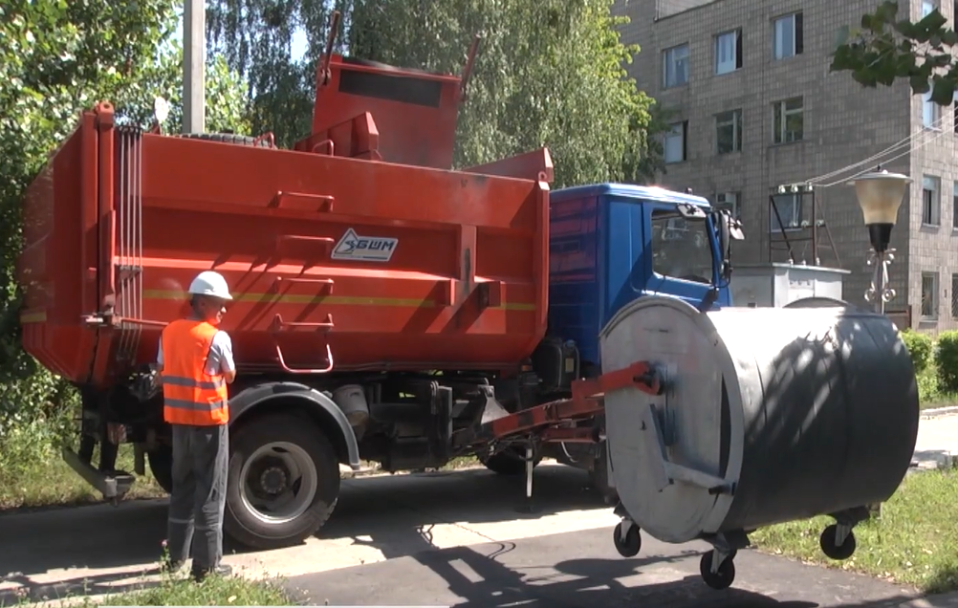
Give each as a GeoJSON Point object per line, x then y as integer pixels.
{"type": "Point", "coordinates": [193, 383]}
{"type": "Point", "coordinates": [194, 406]}
{"type": "Point", "coordinates": [273, 298]}
{"type": "Point", "coordinates": [33, 317]}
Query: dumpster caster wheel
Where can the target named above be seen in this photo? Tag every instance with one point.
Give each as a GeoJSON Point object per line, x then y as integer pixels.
{"type": "Point", "coordinates": [628, 541]}
{"type": "Point", "coordinates": [830, 546]}
{"type": "Point", "coordinates": [723, 578]}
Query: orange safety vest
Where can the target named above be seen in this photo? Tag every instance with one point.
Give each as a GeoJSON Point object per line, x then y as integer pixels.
{"type": "Point", "coordinates": [190, 395]}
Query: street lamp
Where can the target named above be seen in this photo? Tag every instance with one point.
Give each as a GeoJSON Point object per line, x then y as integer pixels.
{"type": "Point", "coordinates": [880, 194]}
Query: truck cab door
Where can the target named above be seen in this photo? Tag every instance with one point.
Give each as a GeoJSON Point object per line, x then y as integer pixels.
{"type": "Point", "coordinates": [677, 257]}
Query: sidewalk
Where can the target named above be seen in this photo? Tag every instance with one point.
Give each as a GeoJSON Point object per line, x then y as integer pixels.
{"type": "Point", "coordinates": [937, 444]}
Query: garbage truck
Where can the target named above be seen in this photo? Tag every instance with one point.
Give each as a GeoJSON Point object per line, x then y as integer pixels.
{"type": "Point", "coordinates": [385, 304]}
{"type": "Point", "coordinates": [390, 308]}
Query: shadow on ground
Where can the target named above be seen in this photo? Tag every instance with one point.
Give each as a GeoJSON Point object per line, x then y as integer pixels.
{"type": "Point", "coordinates": [486, 577]}
{"type": "Point", "coordinates": [398, 512]}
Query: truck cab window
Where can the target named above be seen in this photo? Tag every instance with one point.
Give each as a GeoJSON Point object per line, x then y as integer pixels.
{"type": "Point", "coordinates": [680, 248]}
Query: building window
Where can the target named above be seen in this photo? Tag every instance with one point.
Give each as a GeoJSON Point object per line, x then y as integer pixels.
{"type": "Point", "coordinates": [842, 33]}
{"type": "Point", "coordinates": [929, 295]}
{"type": "Point", "coordinates": [930, 112]}
{"type": "Point", "coordinates": [729, 202]}
{"type": "Point", "coordinates": [675, 142]}
{"type": "Point", "coordinates": [675, 66]}
{"type": "Point", "coordinates": [954, 296]}
{"type": "Point", "coordinates": [788, 119]}
{"type": "Point", "coordinates": [787, 38]}
{"type": "Point", "coordinates": [930, 200]}
{"type": "Point", "coordinates": [955, 103]}
{"type": "Point", "coordinates": [728, 131]}
{"type": "Point", "coordinates": [927, 6]}
{"type": "Point", "coordinates": [954, 205]}
{"type": "Point", "coordinates": [789, 208]}
{"type": "Point", "coordinates": [728, 52]}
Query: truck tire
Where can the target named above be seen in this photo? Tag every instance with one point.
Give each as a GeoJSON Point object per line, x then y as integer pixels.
{"type": "Point", "coordinates": [283, 482]}
{"type": "Point", "coordinates": [509, 462]}
{"type": "Point", "coordinates": [161, 465]}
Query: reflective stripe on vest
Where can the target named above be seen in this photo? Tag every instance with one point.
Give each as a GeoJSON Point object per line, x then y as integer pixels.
{"type": "Point", "coordinates": [190, 395]}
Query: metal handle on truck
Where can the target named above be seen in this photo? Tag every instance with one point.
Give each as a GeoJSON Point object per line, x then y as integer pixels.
{"type": "Point", "coordinates": [279, 324]}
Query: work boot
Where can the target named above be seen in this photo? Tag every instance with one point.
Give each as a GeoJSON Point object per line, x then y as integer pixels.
{"type": "Point", "coordinates": [200, 574]}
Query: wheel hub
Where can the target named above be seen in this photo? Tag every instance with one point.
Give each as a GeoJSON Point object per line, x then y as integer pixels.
{"type": "Point", "coordinates": [274, 480]}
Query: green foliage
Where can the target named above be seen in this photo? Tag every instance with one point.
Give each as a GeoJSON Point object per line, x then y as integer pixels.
{"type": "Point", "coordinates": [887, 49]}
{"type": "Point", "coordinates": [920, 348]}
{"type": "Point", "coordinates": [548, 73]}
{"type": "Point", "coordinates": [947, 359]}
{"type": "Point", "coordinates": [56, 59]}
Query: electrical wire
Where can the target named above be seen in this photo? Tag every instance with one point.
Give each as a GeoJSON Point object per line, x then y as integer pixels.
{"type": "Point", "coordinates": [890, 149]}
{"type": "Point", "coordinates": [936, 137]}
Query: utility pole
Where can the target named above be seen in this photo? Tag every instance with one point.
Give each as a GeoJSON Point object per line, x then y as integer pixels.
{"type": "Point", "coordinates": [194, 66]}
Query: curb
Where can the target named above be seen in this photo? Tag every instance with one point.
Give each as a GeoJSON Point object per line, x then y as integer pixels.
{"type": "Point", "coordinates": [939, 411]}
{"type": "Point", "coordinates": [945, 600]}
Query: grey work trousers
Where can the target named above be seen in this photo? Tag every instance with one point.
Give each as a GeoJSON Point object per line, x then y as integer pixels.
{"type": "Point", "coordinates": [198, 499]}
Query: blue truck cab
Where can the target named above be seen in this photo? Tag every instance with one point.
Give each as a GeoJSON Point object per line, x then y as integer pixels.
{"type": "Point", "coordinates": [613, 243]}
{"type": "Point", "coordinates": [609, 245]}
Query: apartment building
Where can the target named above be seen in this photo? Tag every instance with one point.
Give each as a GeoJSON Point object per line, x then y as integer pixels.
{"type": "Point", "coordinates": [754, 109]}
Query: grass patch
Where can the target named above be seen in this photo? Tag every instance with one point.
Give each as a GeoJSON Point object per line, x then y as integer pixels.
{"type": "Point", "coordinates": [214, 591]}
{"type": "Point", "coordinates": [180, 590]}
{"type": "Point", "coordinates": [51, 482]}
{"type": "Point", "coordinates": [914, 542]}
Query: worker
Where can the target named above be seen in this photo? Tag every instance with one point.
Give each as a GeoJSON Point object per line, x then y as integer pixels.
{"type": "Point", "coordinates": [195, 363]}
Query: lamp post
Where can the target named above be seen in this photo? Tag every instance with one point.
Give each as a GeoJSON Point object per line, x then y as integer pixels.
{"type": "Point", "coordinates": [880, 195]}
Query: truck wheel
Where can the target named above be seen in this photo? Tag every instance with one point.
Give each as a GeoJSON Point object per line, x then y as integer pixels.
{"type": "Point", "coordinates": [283, 482]}
{"type": "Point", "coordinates": [510, 461]}
{"type": "Point", "coordinates": [161, 465]}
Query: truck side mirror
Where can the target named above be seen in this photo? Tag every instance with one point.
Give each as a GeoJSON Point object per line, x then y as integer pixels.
{"type": "Point", "coordinates": [729, 229]}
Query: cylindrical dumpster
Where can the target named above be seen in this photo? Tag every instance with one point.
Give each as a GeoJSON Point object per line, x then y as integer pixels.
{"type": "Point", "coordinates": [768, 415]}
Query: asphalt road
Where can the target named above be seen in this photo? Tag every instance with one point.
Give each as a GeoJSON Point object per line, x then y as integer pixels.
{"type": "Point", "coordinates": [454, 539]}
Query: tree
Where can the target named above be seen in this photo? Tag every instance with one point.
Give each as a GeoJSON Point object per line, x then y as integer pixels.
{"type": "Point", "coordinates": [887, 49]}
{"type": "Point", "coordinates": [57, 58]}
{"type": "Point", "coordinates": [549, 72]}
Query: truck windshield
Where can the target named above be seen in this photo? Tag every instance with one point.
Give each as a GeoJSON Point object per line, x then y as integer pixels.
{"type": "Point", "coordinates": [680, 248]}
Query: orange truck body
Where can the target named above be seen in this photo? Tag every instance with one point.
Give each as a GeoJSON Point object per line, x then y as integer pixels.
{"type": "Point", "coordinates": [455, 273]}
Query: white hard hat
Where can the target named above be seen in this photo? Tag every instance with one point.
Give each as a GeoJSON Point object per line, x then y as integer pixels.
{"type": "Point", "coordinates": [209, 283]}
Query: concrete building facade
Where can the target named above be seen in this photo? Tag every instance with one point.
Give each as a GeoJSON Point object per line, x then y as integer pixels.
{"type": "Point", "coordinates": [753, 106]}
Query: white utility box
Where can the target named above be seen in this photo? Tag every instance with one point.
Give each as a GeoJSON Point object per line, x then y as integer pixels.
{"type": "Point", "coordinates": [778, 284]}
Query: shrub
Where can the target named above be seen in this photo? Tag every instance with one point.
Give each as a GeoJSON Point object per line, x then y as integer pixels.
{"type": "Point", "coordinates": [920, 348]}
{"type": "Point", "coordinates": [947, 359]}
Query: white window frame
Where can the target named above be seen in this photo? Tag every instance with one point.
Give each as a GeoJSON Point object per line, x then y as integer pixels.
{"type": "Point", "coordinates": [677, 131]}
{"type": "Point", "coordinates": [780, 115]}
{"type": "Point", "coordinates": [726, 52]}
{"type": "Point", "coordinates": [930, 209]}
{"type": "Point", "coordinates": [930, 112]}
{"type": "Point", "coordinates": [730, 201]}
{"type": "Point", "coordinates": [785, 35]}
{"type": "Point", "coordinates": [933, 277]}
{"type": "Point", "coordinates": [789, 207]}
{"type": "Point", "coordinates": [733, 119]}
{"type": "Point", "coordinates": [675, 66]}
